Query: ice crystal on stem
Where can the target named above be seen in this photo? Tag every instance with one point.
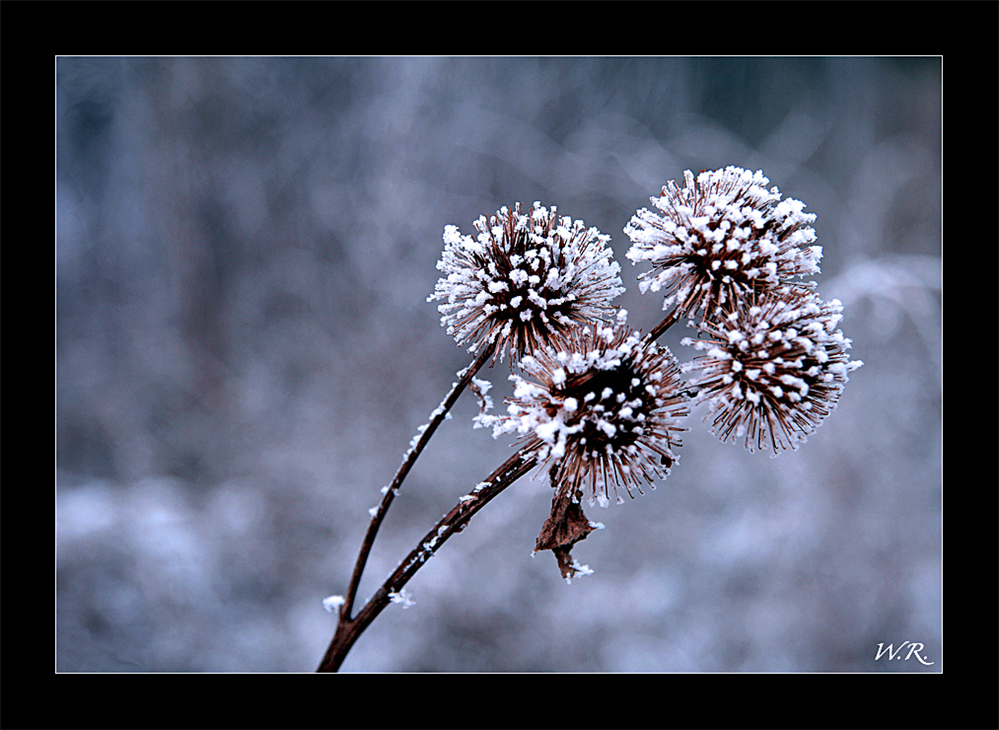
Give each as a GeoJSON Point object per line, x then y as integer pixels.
{"type": "Point", "coordinates": [772, 372]}
{"type": "Point", "coordinates": [524, 278]}
{"type": "Point", "coordinates": [720, 237]}
{"type": "Point", "coordinates": [332, 603]}
{"type": "Point", "coordinates": [402, 597]}
{"type": "Point", "coordinates": [602, 410]}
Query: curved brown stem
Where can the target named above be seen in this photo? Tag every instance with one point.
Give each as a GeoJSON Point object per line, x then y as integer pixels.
{"type": "Point", "coordinates": [465, 377]}
{"type": "Point", "coordinates": [660, 329]}
{"type": "Point", "coordinates": [349, 629]}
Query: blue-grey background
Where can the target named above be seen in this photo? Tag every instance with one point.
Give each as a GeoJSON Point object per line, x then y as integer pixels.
{"type": "Point", "coordinates": [244, 350]}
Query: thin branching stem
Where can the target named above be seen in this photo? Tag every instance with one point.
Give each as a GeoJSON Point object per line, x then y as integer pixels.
{"type": "Point", "coordinates": [465, 377]}
{"type": "Point", "coordinates": [660, 329]}
{"type": "Point", "coordinates": [350, 629]}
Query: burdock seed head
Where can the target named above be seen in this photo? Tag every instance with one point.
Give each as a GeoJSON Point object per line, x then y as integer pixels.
{"type": "Point", "coordinates": [523, 279]}
{"type": "Point", "coordinates": [603, 411]}
{"type": "Point", "coordinates": [772, 371]}
{"type": "Point", "coordinates": [719, 238]}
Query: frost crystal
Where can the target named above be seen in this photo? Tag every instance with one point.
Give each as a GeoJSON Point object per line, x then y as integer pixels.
{"type": "Point", "coordinates": [331, 603]}
{"type": "Point", "coordinates": [720, 237]}
{"type": "Point", "coordinates": [604, 411]}
{"type": "Point", "coordinates": [481, 388]}
{"type": "Point", "coordinates": [776, 382]}
{"type": "Point", "coordinates": [578, 571]}
{"type": "Point", "coordinates": [524, 278]}
{"type": "Point", "coordinates": [401, 597]}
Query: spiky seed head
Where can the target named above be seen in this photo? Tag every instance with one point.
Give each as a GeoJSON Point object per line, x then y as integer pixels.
{"type": "Point", "coordinates": [772, 371]}
{"type": "Point", "coordinates": [603, 411]}
{"type": "Point", "coordinates": [718, 238]}
{"type": "Point", "coordinates": [523, 279]}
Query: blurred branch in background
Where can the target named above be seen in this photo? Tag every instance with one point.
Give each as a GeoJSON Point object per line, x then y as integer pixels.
{"type": "Point", "coordinates": [897, 287]}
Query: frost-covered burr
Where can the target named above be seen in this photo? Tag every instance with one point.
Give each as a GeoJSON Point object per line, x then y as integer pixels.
{"type": "Point", "coordinates": [602, 411]}
{"type": "Point", "coordinates": [522, 279]}
{"type": "Point", "coordinates": [771, 372]}
{"type": "Point", "coordinates": [719, 238]}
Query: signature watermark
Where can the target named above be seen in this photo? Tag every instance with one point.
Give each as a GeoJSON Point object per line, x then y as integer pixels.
{"type": "Point", "coordinates": [906, 650]}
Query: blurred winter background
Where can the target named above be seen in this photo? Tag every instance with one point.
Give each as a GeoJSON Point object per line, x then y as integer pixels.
{"type": "Point", "coordinates": [244, 350]}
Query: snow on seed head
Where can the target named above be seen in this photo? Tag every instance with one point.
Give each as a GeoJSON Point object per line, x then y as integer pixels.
{"type": "Point", "coordinates": [522, 279]}
{"type": "Point", "coordinates": [719, 237]}
{"type": "Point", "coordinates": [603, 410]}
{"type": "Point", "coordinates": [774, 397]}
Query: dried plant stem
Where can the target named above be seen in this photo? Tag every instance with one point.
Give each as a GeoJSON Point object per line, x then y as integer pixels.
{"type": "Point", "coordinates": [660, 329]}
{"type": "Point", "coordinates": [349, 629]}
{"type": "Point", "coordinates": [465, 377]}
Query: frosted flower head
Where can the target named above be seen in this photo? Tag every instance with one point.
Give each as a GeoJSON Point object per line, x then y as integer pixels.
{"type": "Point", "coordinates": [603, 411]}
{"type": "Point", "coordinates": [524, 278]}
{"type": "Point", "coordinates": [771, 373]}
{"type": "Point", "coordinates": [719, 238]}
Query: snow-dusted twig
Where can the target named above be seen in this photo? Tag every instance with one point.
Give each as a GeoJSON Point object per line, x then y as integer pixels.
{"type": "Point", "coordinates": [349, 629]}
{"type": "Point", "coordinates": [668, 321]}
{"type": "Point", "coordinates": [378, 513]}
